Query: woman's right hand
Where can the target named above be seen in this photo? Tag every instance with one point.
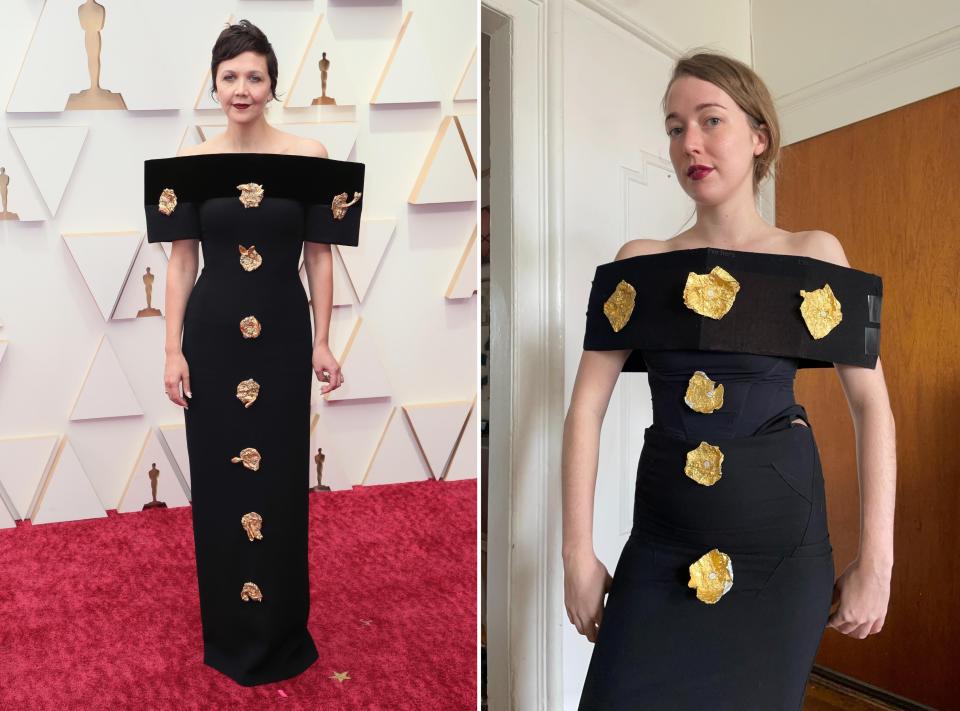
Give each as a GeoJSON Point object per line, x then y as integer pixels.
{"type": "Point", "coordinates": [585, 583]}
{"type": "Point", "coordinates": [177, 374]}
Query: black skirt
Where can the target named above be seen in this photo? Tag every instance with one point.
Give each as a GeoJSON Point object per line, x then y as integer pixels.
{"type": "Point", "coordinates": [659, 646]}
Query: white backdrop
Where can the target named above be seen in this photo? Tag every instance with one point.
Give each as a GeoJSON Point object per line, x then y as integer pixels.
{"type": "Point", "coordinates": [76, 176]}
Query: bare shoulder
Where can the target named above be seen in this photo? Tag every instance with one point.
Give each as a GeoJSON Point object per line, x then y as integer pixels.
{"type": "Point", "coordinates": [824, 246]}
{"type": "Point", "coordinates": [639, 247]}
{"type": "Point", "coordinates": [309, 147]}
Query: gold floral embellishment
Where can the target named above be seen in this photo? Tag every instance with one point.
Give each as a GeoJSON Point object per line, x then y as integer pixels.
{"type": "Point", "coordinates": [250, 194]}
{"type": "Point", "coordinates": [250, 458]}
{"type": "Point", "coordinates": [703, 395]}
{"type": "Point", "coordinates": [619, 307]}
{"type": "Point", "coordinates": [711, 294]}
{"type": "Point", "coordinates": [340, 204]}
{"type": "Point", "coordinates": [704, 464]}
{"type": "Point", "coordinates": [168, 201]}
{"type": "Point", "coordinates": [711, 575]}
{"type": "Point", "coordinates": [820, 310]}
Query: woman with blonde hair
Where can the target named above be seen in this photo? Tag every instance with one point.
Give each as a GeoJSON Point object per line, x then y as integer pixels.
{"type": "Point", "coordinates": [723, 590]}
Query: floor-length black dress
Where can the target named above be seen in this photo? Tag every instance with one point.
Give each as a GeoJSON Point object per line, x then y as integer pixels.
{"type": "Point", "coordinates": [248, 344]}
{"type": "Point", "coordinates": [722, 591]}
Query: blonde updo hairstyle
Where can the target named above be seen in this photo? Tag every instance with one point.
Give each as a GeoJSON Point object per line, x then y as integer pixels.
{"type": "Point", "coordinates": [747, 89]}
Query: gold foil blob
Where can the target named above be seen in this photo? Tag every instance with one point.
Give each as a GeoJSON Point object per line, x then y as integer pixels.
{"type": "Point", "coordinates": [704, 464]}
{"type": "Point", "coordinates": [250, 194]}
{"type": "Point", "coordinates": [250, 458]}
{"type": "Point", "coordinates": [340, 204]}
{"type": "Point", "coordinates": [250, 327]}
{"type": "Point", "coordinates": [250, 592]}
{"type": "Point", "coordinates": [250, 259]}
{"type": "Point", "coordinates": [703, 395]}
{"type": "Point", "coordinates": [820, 310]}
{"type": "Point", "coordinates": [619, 306]}
{"type": "Point", "coordinates": [711, 575]}
{"type": "Point", "coordinates": [247, 391]}
{"type": "Point", "coordinates": [251, 523]}
{"type": "Point", "coordinates": [168, 201]}
{"type": "Point", "coordinates": [711, 294]}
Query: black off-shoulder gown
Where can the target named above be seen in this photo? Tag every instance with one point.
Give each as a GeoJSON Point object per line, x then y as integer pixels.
{"type": "Point", "coordinates": [254, 591]}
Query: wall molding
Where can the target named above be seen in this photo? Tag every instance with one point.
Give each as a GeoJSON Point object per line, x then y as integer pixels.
{"type": "Point", "coordinates": [641, 32]}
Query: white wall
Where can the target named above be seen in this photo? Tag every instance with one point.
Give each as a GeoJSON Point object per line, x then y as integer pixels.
{"type": "Point", "coordinates": [427, 343]}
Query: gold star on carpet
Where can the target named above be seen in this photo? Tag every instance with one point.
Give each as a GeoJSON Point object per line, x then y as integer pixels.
{"type": "Point", "coordinates": [340, 676]}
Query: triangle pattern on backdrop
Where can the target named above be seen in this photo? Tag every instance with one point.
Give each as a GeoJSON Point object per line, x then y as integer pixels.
{"type": "Point", "coordinates": [338, 137]}
{"type": "Point", "coordinates": [335, 468]}
{"type": "Point", "coordinates": [105, 392]}
{"type": "Point", "coordinates": [308, 82]}
{"type": "Point", "coordinates": [66, 493]}
{"type": "Point", "coordinates": [397, 458]}
{"type": "Point", "coordinates": [138, 490]}
{"type": "Point", "coordinates": [463, 283]}
{"type": "Point", "coordinates": [3, 349]}
{"type": "Point", "coordinates": [467, 88]}
{"type": "Point", "coordinates": [175, 439]}
{"type": "Point", "coordinates": [448, 173]}
{"type": "Point", "coordinates": [436, 427]}
{"type": "Point", "coordinates": [407, 77]}
{"type": "Point", "coordinates": [342, 295]}
{"type": "Point", "coordinates": [104, 261]}
{"type": "Point", "coordinates": [23, 462]}
{"type": "Point", "coordinates": [463, 464]}
{"type": "Point", "coordinates": [149, 262]}
{"type": "Point", "coordinates": [205, 98]}
{"type": "Point", "coordinates": [362, 261]}
{"type": "Point", "coordinates": [363, 373]}
{"type": "Point", "coordinates": [50, 153]}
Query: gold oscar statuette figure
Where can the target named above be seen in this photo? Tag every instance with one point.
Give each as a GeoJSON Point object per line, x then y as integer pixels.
{"type": "Point", "coordinates": [92, 15]}
{"type": "Point", "coordinates": [148, 278]}
{"type": "Point", "coordinates": [323, 99]}
{"type": "Point", "coordinates": [154, 475]}
{"type": "Point", "coordinates": [4, 189]}
{"type": "Point", "coordinates": [318, 460]}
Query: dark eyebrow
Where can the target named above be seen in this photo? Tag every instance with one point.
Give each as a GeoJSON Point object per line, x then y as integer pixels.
{"type": "Point", "coordinates": [699, 107]}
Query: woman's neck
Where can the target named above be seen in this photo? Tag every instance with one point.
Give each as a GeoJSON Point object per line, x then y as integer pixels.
{"type": "Point", "coordinates": [247, 138]}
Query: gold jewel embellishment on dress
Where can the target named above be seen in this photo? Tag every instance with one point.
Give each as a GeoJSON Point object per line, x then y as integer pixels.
{"type": "Point", "coordinates": [711, 294]}
{"type": "Point", "coordinates": [247, 391]}
{"type": "Point", "coordinates": [250, 458]}
{"type": "Point", "coordinates": [168, 201]}
{"type": "Point", "coordinates": [250, 592]}
{"type": "Point", "coordinates": [250, 259]}
{"type": "Point", "coordinates": [340, 204]}
{"type": "Point", "coordinates": [820, 310]}
{"type": "Point", "coordinates": [711, 575]}
{"type": "Point", "coordinates": [250, 194]}
{"type": "Point", "coordinates": [251, 523]}
{"type": "Point", "coordinates": [250, 327]}
{"type": "Point", "coordinates": [703, 395]}
{"type": "Point", "coordinates": [619, 306]}
{"type": "Point", "coordinates": [704, 464]}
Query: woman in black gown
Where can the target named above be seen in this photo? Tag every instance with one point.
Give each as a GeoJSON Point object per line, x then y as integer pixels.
{"type": "Point", "coordinates": [723, 589]}
{"type": "Point", "coordinates": [253, 197]}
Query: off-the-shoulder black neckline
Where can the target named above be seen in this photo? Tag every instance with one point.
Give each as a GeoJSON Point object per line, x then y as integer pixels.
{"type": "Point", "coordinates": [246, 153]}
{"type": "Point", "coordinates": [718, 250]}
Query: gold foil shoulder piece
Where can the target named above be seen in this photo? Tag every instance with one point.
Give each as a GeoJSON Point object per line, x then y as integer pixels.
{"type": "Point", "coordinates": [340, 204]}
{"type": "Point", "coordinates": [250, 259]}
{"type": "Point", "coordinates": [619, 307]}
{"type": "Point", "coordinates": [704, 464]}
{"type": "Point", "coordinates": [820, 310]}
{"type": "Point", "coordinates": [703, 395]}
{"type": "Point", "coordinates": [250, 194]}
{"type": "Point", "coordinates": [250, 458]}
{"type": "Point", "coordinates": [250, 592]}
{"type": "Point", "coordinates": [251, 523]}
{"type": "Point", "coordinates": [711, 575]}
{"type": "Point", "coordinates": [247, 391]}
{"type": "Point", "coordinates": [250, 327]}
{"type": "Point", "coordinates": [711, 294]}
{"type": "Point", "coordinates": [168, 201]}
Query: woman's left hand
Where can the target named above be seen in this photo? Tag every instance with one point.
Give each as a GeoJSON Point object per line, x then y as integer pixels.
{"type": "Point", "coordinates": [863, 593]}
{"type": "Point", "coordinates": [327, 369]}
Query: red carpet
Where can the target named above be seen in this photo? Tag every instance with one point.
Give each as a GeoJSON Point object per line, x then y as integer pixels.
{"type": "Point", "coordinates": [103, 614]}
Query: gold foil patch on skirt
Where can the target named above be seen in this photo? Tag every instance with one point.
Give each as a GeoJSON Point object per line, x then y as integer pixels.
{"type": "Point", "coordinates": [250, 592]}
{"type": "Point", "coordinates": [247, 391]}
{"type": "Point", "coordinates": [703, 395]}
{"type": "Point", "coordinates": [250, 259]}
{"type": "Point", "coordinates": [704, 464]}
{"type": "Point", "coordinates": [820, 310]}
{"type": "Point", "coordinates": [251, 523]}
{"type": "Point", "coordinates": [250, 458]}
{"type": "Point", "coordinates": [711, 294]}
{"type": "Point", "coordinates": [168, 201]}
{"type": "Point", "coordinates": [619, 307]}
{"type": "Point", "coordinates": [340, 204]}
{"type": "Point", "coordinates": [250, 327]}
{"type": "Point", "coordinates": [711, 575]}
{"type": "Point", "coordinates": [250, 194]}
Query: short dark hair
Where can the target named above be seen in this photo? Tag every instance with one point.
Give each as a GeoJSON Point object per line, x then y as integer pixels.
{"type": "Point", "coordinates": [237, 39]}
